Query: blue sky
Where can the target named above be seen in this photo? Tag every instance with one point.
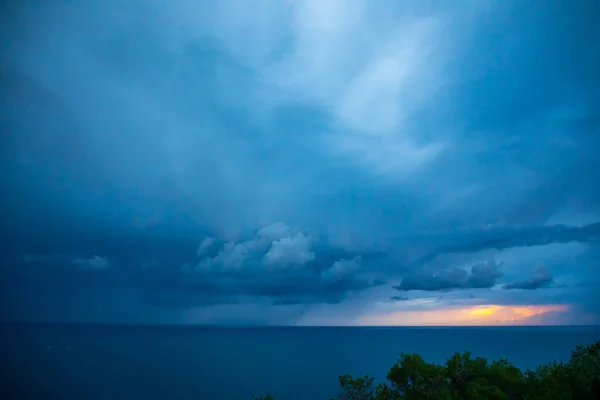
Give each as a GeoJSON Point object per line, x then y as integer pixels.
{"type": "Point", "coordinates": [309, 162]}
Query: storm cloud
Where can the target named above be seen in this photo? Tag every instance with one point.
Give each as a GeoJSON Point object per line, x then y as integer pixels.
{"type": "Point", "coordinates": [541, 278]}
{"type": "Point", "coordinates": [297, 162]}
{"type": "Point", "coordinates": [481, 276]}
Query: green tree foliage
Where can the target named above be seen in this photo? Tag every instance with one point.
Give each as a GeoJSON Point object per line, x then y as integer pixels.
{"type": "Point", "coordinates": [265, 396]}
{"type": "Point", "coordinates": [464, 377]}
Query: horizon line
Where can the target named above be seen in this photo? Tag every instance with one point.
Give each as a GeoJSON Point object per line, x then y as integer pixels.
{"type": "Point", "coordinates": [263, 326]}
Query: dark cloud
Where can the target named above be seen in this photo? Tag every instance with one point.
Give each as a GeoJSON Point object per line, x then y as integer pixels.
{"type": "Point", "coordinates": [94, 263]}
{"type": "Point", "coordinates": [499, 238]}
{"type": "Point", "coordinates": [481, 276]}
{"type": "Point", "coordinates": [148, 151]}
{"type": "Point", "coordinates": [484, 275]}
{"type": "Point", "coordinates": [541, 278]}
{"type": "Point", "coordinates": [218, 273]}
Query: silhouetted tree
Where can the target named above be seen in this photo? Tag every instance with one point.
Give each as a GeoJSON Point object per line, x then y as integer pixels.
{"type": "Point", "coordinates": [464, 377]}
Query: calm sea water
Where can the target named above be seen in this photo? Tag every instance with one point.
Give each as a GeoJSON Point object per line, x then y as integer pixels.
{"type": "Point", "coordinates": [141, 362]}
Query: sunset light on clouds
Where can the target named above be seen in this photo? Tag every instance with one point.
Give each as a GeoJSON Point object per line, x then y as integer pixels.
{"type": "Point", "coordinates": [485, 315]}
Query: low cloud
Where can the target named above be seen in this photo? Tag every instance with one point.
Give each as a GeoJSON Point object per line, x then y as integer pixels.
{"type": "Point", "coordinates": [481, 276]}
{"type": "Point", "coordinates": [541, 278]}
{"type": "Point", "coordinates": [275, 245]}
{"type": "Point", "coordinates": [292, 250]}
{"type": "Point", "coordinates": [342, 268]}
{"type": "Point", "coordinates": [280, 263]}
{"type": "Point", "coordinates": [93, 263]}
{"type": "Point", "coordinates": [205, 245]}
{"type": "Point", "coordinates": [231, 256]}
{"type": "Point", "coordinates": [484, 275]}
{"type": "Point", "coordinates": [505, 237]}
{"type": "Point", "coordinates": [275, 231]}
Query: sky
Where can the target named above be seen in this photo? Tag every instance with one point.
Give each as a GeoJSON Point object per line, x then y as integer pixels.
{"type": "Point", "coordinates": [300, 162]}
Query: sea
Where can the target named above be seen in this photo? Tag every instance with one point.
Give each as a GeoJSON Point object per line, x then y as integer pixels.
{"type": "Point", "coordinates": [68, 361]}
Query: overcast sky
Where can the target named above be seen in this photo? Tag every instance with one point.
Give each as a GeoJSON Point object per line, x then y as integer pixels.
{"type": "Point", "coordinates": [301, 162]}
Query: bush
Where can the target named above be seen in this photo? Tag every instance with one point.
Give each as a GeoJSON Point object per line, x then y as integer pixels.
{"type": "Point", "coordinates": [463, 377]}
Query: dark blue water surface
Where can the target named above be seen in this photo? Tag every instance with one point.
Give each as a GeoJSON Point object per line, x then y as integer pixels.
{"type": "Point", "coordinates": [149, 362]}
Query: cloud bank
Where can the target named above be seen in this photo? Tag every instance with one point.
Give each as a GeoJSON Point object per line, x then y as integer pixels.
{"type": "Point", "coordinates": [300, 162]}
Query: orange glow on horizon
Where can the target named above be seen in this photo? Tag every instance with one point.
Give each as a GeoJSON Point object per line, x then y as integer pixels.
{"type": "Point", "coordinates": [466, 316]}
